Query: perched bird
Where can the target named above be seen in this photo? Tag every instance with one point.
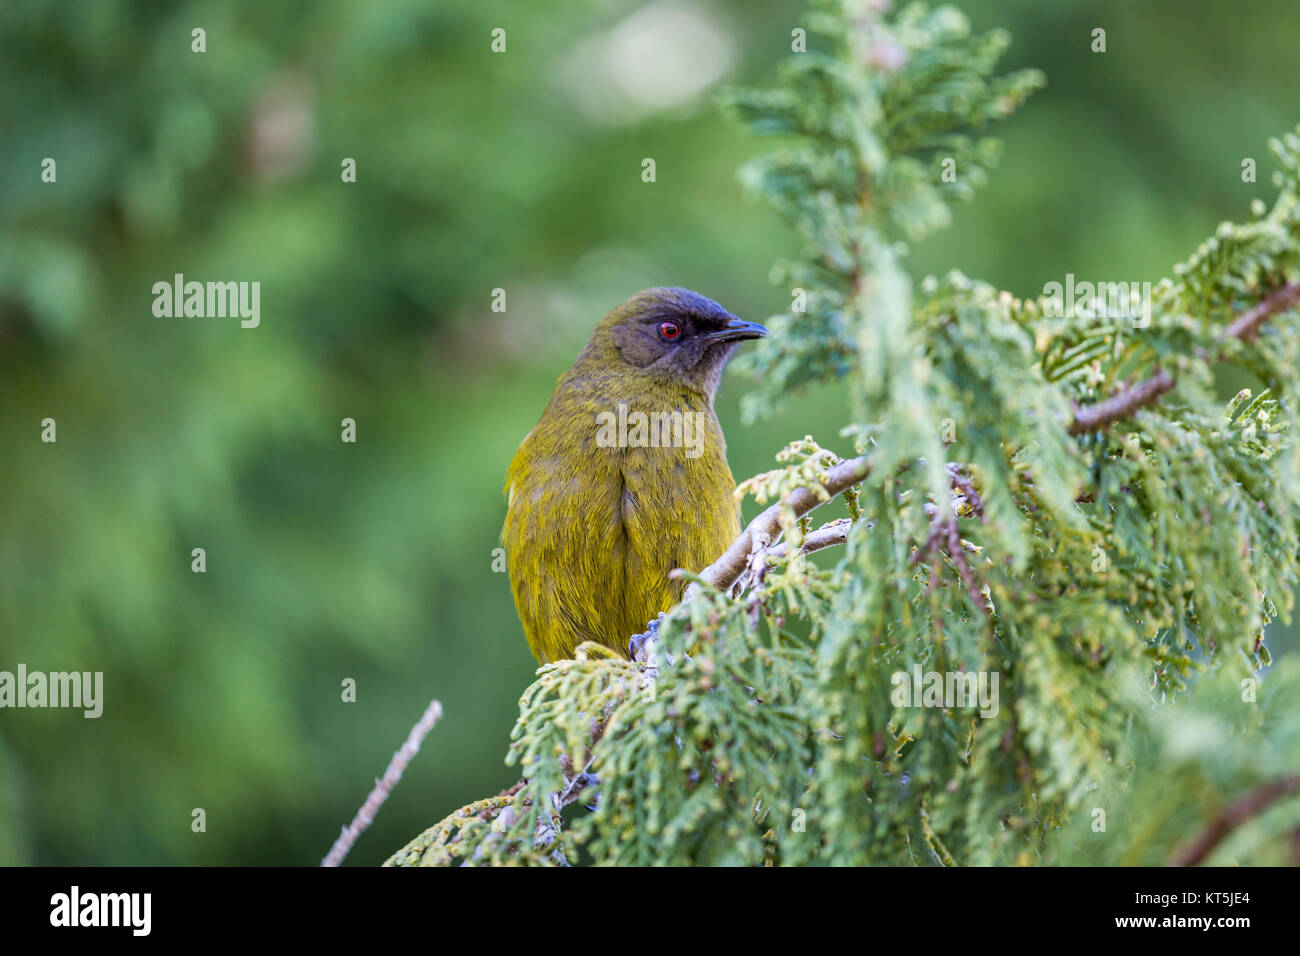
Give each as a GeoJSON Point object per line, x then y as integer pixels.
{"type": "Point", "coordinates": [625, 477]}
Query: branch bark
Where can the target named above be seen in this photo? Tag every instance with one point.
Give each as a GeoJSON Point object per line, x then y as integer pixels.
{"type": "Point", "coordinates": [1094, 418]}
{"type": "Point", "coordinates": [827, 536]}
{"type": "Point", "coordinates": [1245, 326]}
{"type": "Point", "coordinates": [1252, 804]}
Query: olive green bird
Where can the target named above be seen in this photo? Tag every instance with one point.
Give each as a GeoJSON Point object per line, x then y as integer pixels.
{"type": "Point", "coordinates": [602, 506]}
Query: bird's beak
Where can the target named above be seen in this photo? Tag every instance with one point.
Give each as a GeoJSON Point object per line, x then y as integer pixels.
{"type": "Point", "coordinates": [735, 330]}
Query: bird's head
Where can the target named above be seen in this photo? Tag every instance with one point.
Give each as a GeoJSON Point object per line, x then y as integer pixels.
{"type": "Point", "coordinates": [676, 334]}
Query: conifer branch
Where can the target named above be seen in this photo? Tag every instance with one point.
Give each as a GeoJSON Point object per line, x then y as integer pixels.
{"type": "Point", "coordinates": [724, 572]}
{"type": "Point", "coordinates": [827, 536]}
{"type": "Point", "coordinates": [945, 538]}
{"type": "Point", "coordinates": [753, 544]}
{"type": "Point", "coordinates": [1098, 416]}
{"type": "Point", "coordinates": [1121, 405]}
{"type": "Point", "coordinates": [1248, 323]}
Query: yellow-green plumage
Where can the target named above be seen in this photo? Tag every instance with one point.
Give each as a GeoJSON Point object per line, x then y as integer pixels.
{"type": "Point", "coordinates": [592, 532]}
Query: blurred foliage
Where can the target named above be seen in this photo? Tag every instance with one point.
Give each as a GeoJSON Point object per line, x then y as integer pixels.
{"type": "Point", "coordinates": [475, 171]}
{"type": "Point", "coordinates": [1214, 751]}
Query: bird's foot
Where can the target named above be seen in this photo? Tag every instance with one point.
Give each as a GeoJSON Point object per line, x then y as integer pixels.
{"type": "Point", "coordinates": [637, 644]}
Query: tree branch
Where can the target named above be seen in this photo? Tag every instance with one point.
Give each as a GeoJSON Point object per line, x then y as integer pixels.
{"type": "Point", "coordinates": [383, 786]}
{"type": "Point", "coordinates": [1098, 416]}
{"type": "Point", "coordinates": [1248, 323]}
{"type": "Point", "coordinates": [827, 536]}
{"type": "Point", "coordinates": [1094, 418]}
{"type": "Point", "coordinates": [1252, 804]}
{"type": "Point", "coordinates": [945, 538]}
{"type": "Point", "coordinates": [724, 572]}
{"type": "Point", "coordinates": [727, 570]}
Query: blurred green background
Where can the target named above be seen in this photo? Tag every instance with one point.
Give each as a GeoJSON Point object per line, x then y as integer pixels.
{"type": "Point", "coordinates": [475, 171]}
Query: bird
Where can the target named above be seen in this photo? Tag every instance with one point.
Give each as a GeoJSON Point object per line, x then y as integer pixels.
{"type": "Point", "coordinates": [625, 476]}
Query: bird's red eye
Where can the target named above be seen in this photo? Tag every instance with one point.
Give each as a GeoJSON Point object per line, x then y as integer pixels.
{"type": "Point", "coordinates": [669, 330]}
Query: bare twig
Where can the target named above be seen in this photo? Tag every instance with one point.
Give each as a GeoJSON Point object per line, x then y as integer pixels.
{"type": "Point", "coordinates": [1250, 805]}
{"type": "Point", "coordinates": [383, 786]}
{"type": "Point", "coordinates": [827, 536]}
